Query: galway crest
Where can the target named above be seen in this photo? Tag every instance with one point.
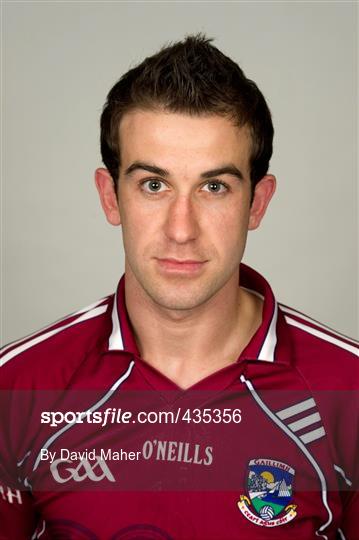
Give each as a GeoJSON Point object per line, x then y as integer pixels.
{"type": "Point", "coordinates": [269, 493]}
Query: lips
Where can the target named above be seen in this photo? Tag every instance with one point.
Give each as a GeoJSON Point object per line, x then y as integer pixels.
{"type": "Point", "coordinates": [182, 266]}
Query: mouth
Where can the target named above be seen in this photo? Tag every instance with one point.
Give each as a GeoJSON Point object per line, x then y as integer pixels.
{"type": "Point", "coordinates": [185, 266]}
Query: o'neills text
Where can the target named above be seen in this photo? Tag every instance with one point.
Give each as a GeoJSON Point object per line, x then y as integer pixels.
{"type": "Point", "coordinates": [177, 451]}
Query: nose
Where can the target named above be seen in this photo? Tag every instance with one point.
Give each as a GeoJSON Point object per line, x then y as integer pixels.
{"type": "Point", "coordinates": [181, 224]}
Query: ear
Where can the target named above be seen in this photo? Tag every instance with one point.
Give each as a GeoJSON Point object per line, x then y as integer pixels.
{"type": "Point", "coordinates": [263, 193]}
{"type": "Point", "coordinates": [106, 190]}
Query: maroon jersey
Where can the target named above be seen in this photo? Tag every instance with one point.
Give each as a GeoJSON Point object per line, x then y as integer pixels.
{"type": "Point", "coordinates": [97, 444]}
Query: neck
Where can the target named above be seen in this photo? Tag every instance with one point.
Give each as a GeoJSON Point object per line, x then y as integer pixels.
{"type": "Point", "coordinates": [188, 345]}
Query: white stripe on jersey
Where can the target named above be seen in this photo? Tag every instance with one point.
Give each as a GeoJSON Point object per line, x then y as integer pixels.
{"type": "Point", "coordinates": [19, 463]}
{"type": "Point", "coordinates": [91, 409]}
{"type": "Point", "coordinates": [21, 348]}
{"type": "Point", "coordinates": [342, 473]}
{"type": "Point", "coordinates": [312, 435]}
{"type": "Point", "coordinates": [37, 534]}
{"type": "Point", "coordinates": [304, 422]}
{"type": "Point", "coordinates": [267, 350]}
{"type": "Point", "coordinates": [323, 336]}
{"type": "Point", "coordinates": [33, 334]}
{"type": "Point", "coordinates": [270, 342]}
{"type": "Point", "coordinates": [115, 341]}
{"type": "Point", "coordinates": [303, 448]}
{"type": "Point", "coordinates": [316, 323]}
{"type": "Point", "coordinates": [42, 530]}
{"type": "Point", "coordinates": [295, 409]}
{"type": "Point", "coordinates": [341, 534]}
{"type": "Point", "coordinates": [27, 484]}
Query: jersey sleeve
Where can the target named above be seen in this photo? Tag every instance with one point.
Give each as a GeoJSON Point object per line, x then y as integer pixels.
{"type": "Point", "coordinates": [346, 460]}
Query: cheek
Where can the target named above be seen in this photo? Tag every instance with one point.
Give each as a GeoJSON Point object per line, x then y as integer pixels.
{"type": "Point", "coordinates": [231, 236]}
{"type": "Point", "coordinates": [140, 228]}
{"type": "Point", "coordinates": [228, 222]}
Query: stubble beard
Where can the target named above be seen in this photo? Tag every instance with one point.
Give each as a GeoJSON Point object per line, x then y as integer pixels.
{"type": "Point", "coordinates": [177, 293]}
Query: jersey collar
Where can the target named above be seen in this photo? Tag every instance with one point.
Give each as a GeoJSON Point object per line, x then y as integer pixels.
{"type": "Point", "coordinates": [270, 343]}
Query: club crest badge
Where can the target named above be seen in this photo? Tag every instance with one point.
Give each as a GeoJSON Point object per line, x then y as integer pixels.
{"type": "Point", "coordinates": [270, 490]}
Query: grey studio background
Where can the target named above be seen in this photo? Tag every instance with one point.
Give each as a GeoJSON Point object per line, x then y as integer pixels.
{"type": "Point", "coordinates": [59, 61]}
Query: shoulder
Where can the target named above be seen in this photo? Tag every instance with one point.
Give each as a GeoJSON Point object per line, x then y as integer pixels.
{"type": "Point", "coordinates": [321, 353]}
{"type": "Point", "coordinates": [328, 361]}
{"type": "Point", "coordinates": [59, 346]}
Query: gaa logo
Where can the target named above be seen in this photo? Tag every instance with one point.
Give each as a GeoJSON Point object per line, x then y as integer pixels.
{"type": "Point", "coordinates": [96, 471]}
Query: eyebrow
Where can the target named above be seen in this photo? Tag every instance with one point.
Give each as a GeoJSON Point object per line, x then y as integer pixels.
{"type": "Point", "coordinates": [226, 169]}
{"type": "Point", "coordinates": [146, 167]}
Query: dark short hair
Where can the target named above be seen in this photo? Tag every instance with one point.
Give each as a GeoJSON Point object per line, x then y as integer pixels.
{"type": "Point", "coordinates": [191, 77]}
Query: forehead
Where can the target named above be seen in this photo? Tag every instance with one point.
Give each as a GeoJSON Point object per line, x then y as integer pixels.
{"type": "Point", "coordinates": [177, 140]}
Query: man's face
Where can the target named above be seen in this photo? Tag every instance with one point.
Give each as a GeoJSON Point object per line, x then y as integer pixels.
{"type": "Point", "coordinates": [184, 204]}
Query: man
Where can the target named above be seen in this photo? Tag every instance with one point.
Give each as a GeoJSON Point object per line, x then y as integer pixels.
{"type": "Point", "coordinates": [189, 405]}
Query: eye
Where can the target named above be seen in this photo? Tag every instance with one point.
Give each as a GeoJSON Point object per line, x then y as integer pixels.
{"type": "Point", "coordinates": [215, 187]}
{"type": "Point", "coordinates": [153, 186]}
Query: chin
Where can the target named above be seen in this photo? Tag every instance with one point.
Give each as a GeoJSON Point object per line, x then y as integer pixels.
{"type": "Point", "coordinates": [180, 293]}
{"type": "Point", "coordinates": [177, 304]}
{"type": "Point", "coordinates": [180, 298]}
